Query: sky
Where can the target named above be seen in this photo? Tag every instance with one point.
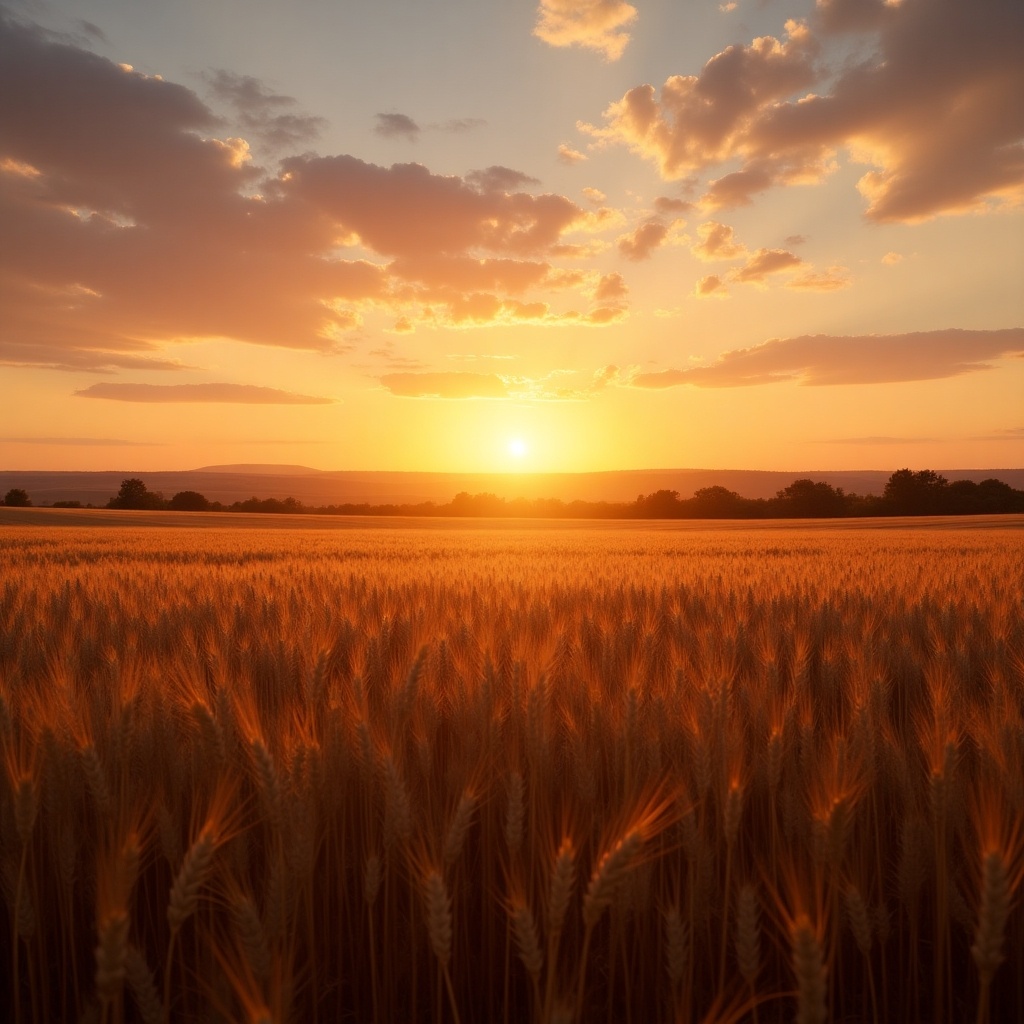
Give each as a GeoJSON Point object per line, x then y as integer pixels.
{"type": "Point", "coordinates": [512, 235]}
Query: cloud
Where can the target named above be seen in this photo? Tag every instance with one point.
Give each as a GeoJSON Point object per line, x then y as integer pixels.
{"type": "Point", "coordinates": [890, 259]}
{"type": "Point", "coordinates": [397, 126]}
{"type": "Point", "coordinates": [129, 226]}
{"type": "Point", "coordinates": [611, 288]}
{"type": "Point", "coordinates": [643, 241]}
{"type": "Point", "coordinates": [593, 24]}
{"type": "Point", "coordinates": [717, 242]}
{"type": "Point", "coordinates": [85, 442]}
{"type": "Point", "coordinates": [930, 103]}
{"type": "Point", "coordinates": [262, 113]}
{"type": "Point", "coordinates": [500, 179]}
{"type": "Point", "coordinates": [709, 286]}
{"type": "Point", "coordinates": [595, 195]}
{"type": "Point", "coordinates": [829, 280]}
{"type": "Point", "coordinates": [452, 384]}
{"type": "Point", "coordinates": [570, 156]}
{"type": "Point", "coordinates": [867, 359]}
{"type": "Point", "coordinates": [246, 394]}
{"type": "Point", "coordinates": [700, 120]}
{"type": "Point", "coordinates": [765, 262]}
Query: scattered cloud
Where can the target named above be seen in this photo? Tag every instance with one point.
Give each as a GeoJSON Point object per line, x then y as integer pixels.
{"type": "Point", "coordinates": [611, 288]}
{"type": "Point", "coordinates": [639, 244]}
{"type": "Point", "coordinates": [830, 359]}
{"type": "Point", "coordinates": [452, 384]}
{"type": "Point", "coordinates": [246, 394]}
{"type": "Point", "coordinates": [594, 195]}
{"type": "Point", "coordinates": [261, 113]}
{"type": "Point", "coordinates": [593, 24]}
{"type": "Point", "coordinates": [671, 205]}
{"type": "Point", "coordinates": [794, 240]}
{"type": "Point", "coordinates": [570, 156]}
{"type": "Point", "coordinates": [130, 227]}
{"type": "Point", "coordinates": [717, 242]}
{"type": "Point", "coordinates": [890, 259]}
{"type": "Point", "coordinates": [931, 105]}
{"type": "Point", "coordinates": [397, 126]}
{"type": "Point", "coordinates": [710, 286]}
{"type": "Point", "coordinates": [764, 263]}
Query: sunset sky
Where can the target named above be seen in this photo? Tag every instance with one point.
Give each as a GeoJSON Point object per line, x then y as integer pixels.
{"type": "Point", "coordinates": [488, 235]}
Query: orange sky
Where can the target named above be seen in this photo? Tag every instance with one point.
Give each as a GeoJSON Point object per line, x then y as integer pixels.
{"type": "Point", "coordinates": [483, 235]}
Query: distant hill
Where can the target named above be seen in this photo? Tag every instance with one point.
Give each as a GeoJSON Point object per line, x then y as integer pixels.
{"type": "Point", "coordinates": [318, 487]}
{"type": "Point", "coordinates": [269, 468]}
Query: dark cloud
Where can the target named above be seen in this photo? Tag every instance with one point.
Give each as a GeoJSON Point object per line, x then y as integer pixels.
{"type": "Point", "coordinates": [246, 394]}
{"type": "Point", "coordinates": [611, 288]}
{"type": "Point", "coordinates": [397, 126]}
{"type": "Point", "coordinates": [261, 113]}
{"type": "Point", "coordinates": [868, 359]}
{"type": "Point", "coordinates": [500, 179]}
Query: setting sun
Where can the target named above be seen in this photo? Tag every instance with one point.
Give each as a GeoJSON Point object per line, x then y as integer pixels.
{"type": "Point", "coordinates": [517, 448]}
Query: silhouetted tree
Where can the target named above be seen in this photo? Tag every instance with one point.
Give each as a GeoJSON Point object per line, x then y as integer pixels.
{"type": "Point", "coordinates": [811, 499]}
{"type": "Point", "coordinates": [662, 504]}
{"type": "Point", "coordinates": [915, 494]}
{"type": "Point", "coordinates": [17, 498]}
{"type": "Point", "coordinates": [189, 501]}
{"type": "Point", "coordinates": [134, 495]}
{"type": "Point", "coordinates": [717, 503]}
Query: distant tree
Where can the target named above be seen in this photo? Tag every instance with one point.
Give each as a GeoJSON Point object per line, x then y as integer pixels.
{"type": "Point", "coordinates": [915, 494]}
{"type": "Point", "coordinates": [17, 498]}
{"type": "Point", "coordinates": [134, 495]}
{"type": "Point", "coordinates": [716, 503]}
{"type": "Point", "coordinates": [189, 501]}
{"type": "Point", "coordinates": [68, 504]}
{"type": "Point", "coordinates": [811, 499]}
{"type": "Point", "coordinates": [663, 504]}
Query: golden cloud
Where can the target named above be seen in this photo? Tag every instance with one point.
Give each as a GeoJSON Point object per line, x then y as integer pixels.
{"type": "Point", "coordinates": [592, 24]}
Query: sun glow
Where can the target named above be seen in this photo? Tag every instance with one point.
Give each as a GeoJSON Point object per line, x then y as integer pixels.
{"type": "Point", "coordinates": [517, 447]}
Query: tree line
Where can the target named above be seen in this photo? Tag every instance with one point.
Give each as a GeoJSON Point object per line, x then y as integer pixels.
{"type": "Point", "coordinates": [906, 493]}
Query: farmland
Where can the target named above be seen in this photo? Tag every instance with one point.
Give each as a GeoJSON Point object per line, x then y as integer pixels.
{"type": "Point", "coordinates": [271, 771]}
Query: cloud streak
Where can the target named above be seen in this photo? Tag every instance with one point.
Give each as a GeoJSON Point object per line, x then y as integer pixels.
{"type": "Point", "coordinates": [823, 360]}
{"type": "Point", "coordinates": [243, 394]}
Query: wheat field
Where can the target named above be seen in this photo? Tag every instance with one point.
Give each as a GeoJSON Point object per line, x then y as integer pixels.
{"type": "Point", "coordinates": [593, 775]}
